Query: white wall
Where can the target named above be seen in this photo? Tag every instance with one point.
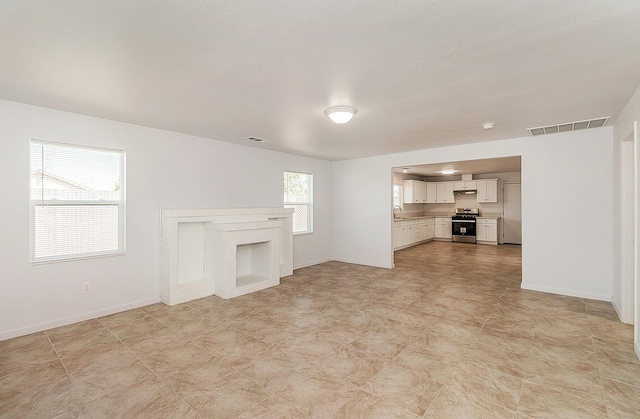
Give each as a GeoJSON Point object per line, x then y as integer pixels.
{"type": "Point", "coordinates": [624, 128]}
{"type": "Point", "coordinates": [564, 250]}
{"type": "Point", "coordinates": [164, 169]}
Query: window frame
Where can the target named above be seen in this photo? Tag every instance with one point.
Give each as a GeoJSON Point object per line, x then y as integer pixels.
{"type": "Point", "coordinates": [308, 203]}
{"type": "Point", "coordinates": [121, 204]}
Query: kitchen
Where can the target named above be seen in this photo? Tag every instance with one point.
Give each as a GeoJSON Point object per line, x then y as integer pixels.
{"type": "Point", "coordinates": [474, 202]}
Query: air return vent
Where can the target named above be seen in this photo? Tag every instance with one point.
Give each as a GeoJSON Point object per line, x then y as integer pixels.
{"type": "Point", "coordinates": [569, 126]}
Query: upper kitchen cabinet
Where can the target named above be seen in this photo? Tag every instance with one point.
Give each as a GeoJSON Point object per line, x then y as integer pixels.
{"type": "Point", "coordinates": [444, 193]}
{"type": "Point", "coordinates": [465, 186]}
{"type": "Point", "coordinates": [487, 190]}
{"type": "Point", "coordinates": [440, 193]}
{"type": "Point", "coordinates": [415, 192]}
{"type": "Point", "coordinates": [432, 193]}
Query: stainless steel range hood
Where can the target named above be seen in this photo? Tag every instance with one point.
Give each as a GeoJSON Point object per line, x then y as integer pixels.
{"type": "Point", "coordinates": [466, 192]}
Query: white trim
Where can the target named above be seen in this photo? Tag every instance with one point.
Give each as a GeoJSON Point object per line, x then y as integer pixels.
{"type": "Point", "coordinates": [74, 319]}
{"type": "Point", "coordinates": [355, 262]}
{"type": "Point", "coordinates": [316, 262]}
{"type": "Point", "coordinates": [565, 292]}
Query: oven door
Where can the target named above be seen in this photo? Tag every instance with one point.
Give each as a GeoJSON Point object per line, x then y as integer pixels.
{"type": "Point", "coordinates": [463, 228]}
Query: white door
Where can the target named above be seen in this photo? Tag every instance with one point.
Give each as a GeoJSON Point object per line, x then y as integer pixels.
{"type": "Point", "coordinates": [512, 220]}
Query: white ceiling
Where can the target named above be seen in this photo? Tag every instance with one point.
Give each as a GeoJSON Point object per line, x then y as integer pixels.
{"type": "Point", "coordinates": [466, 167]}
{"type": "Point", "coordinates": [422, 74]}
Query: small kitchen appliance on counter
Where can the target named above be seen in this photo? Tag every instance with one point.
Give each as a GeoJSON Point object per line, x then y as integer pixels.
{"type": "Point", "coordinates": [463, 225]}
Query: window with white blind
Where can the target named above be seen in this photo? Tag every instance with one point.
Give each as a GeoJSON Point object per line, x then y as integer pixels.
{"type": "Point", "coordinates": [298, 194]}
{"type": "Point", "coordinates": [77, 201]}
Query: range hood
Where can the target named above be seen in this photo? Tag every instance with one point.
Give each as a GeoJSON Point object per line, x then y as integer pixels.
{"type": "Point", "coordinates": [465, 192]}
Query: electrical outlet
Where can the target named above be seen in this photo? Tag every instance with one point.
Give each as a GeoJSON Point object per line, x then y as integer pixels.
{"type": "Point", "coordinates": [86, 286]}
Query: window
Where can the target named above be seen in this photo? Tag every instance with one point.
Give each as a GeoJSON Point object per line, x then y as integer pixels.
{"type": "Point", "coordinates": [77, 201]}
{"type": "Point", "coordinates": [397, 195]}
{"type": "Point", "coordinates": [298, 194]}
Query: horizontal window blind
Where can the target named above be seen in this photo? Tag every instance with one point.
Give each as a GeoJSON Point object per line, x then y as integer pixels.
{"type": "Point", "coordinates": [298, 195]}
{"type": "Point", "coordinates": [77, 201]}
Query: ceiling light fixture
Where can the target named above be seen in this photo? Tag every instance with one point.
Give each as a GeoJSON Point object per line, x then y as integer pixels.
{"type": "Point", "coordinates": [341, 114]}
{"type": "Point", "coordinates": [488, 125]}
{"type": "Point", "coordinates": [447, 171]}
{"type": "Point", "coordinates": [405, 170]}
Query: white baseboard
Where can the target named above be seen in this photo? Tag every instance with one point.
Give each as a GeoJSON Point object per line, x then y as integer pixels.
{"type": "Point", "coordinates": [618, 311]}
{"type": "Point", "coordinates": [569, 293]}
{"type": "Point", "coordinates": [356, 262]}
{"type": "Point", "coordinates": [307, 264]}
{"type": "Point", "coordinates": [74, 319]}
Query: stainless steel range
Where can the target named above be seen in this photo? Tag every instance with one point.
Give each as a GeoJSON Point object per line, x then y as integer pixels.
{"type": "Point", "coordinates": [463, 225]}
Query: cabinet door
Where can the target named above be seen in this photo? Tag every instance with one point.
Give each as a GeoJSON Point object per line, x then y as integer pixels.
{"type": "Point", "coordinates": [492, 232]}
{"type": "Point", "coordinates": [492, 191]}
{"type": "Point", "coordinates": [409, 235]}
{"type": "Point", "coordinates": [447, 196]}
{"type": "Point", "coordinates": [458, 186]}
{"type": "Point", "coordinates": [446, 227]}
{"type": "Point", "coordinates": [487, 190]}
{"type": "Point", "coordinates": [411, 189]}
{"type": "Point", "coordinates": [422, 192]}
{"type": "Point", "coordinates": [481, 232]}
{"type": "Point", "coordinates": [397, 237]}
{"type": "Point", "coordinates": [432, 192]}
{"type": "Point", "coordinates": [438, 229]}
{"type": "Point", "coordinates": [429, 230]}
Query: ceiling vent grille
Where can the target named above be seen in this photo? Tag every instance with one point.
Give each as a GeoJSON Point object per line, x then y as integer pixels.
{"type": "Point", "coordinates": [569, 126]}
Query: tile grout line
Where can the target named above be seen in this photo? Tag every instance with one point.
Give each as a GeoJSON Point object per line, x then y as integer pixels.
{"type": "Point", "coordinates": [143, 363]}
{"type": "Point", "coordinates": [84, 403]}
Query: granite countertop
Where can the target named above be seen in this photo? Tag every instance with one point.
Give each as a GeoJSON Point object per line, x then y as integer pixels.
{"type": "Point", "coordinates": [491, 217]}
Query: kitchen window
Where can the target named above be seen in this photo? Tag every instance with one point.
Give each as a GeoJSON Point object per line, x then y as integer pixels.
{"type": "Point", "coordinates": [77, 201]}
{"type": "Point", "coordinates": [397, 195]}
{"type": "Point", "coordinates": [298, 194]}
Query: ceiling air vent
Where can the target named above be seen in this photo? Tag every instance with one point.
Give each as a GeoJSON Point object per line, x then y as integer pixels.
{"type": "Point", "coordinates": [257, 140]}
{"type": "Point", "coordinates": [569, 126]}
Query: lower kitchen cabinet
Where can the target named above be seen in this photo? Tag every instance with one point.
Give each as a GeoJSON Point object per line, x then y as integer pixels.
{"type": "Point", "coordinates": [407, 233]}
{"type": "Point", "coordinates": [442, 228]}
{"type": "Point", "coordinates": [487, 230]}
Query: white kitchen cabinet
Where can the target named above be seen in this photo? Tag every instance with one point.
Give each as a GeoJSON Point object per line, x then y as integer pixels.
{"type": "Point", "coordinates": [429, 229]}
{"type": "Point", "coordinates": [398, 237]}
{"type": "Point", "coordinates": [487, 190]}
{"type": "Point", "coordinates": [432, 193]}
{"type": "Point", "coordinates": [408, 233]}
{"type": "Point", "coordinates": [465, 186]}
{"type": "Point", "coordinates": [415, 192]}
{"type": "Point", "coordinates": [443, 228]}
{"type": "Point", "coordinates": [487, 230]}
{"type": "Point", "coordinates": [444, 193]}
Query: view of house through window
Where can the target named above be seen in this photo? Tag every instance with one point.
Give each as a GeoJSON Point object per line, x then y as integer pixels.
{"type": "Point", "coordinates": [298, 195]}
{"type": "Point", "coordinates": [77, 201]}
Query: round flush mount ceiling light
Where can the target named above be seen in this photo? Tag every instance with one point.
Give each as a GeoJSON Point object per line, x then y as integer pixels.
{"type": "Point", "coordinates": [447, 171]}
{"type": "Point", "coordinates": [488, 125]}
{"type": "Point", "coordinates": [341, 114]}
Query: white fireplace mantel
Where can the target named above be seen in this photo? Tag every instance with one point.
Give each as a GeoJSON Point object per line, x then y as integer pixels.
{"type": "Point", "coordinates": [223, 251]}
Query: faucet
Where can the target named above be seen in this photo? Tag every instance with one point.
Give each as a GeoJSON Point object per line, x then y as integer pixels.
{"type": "Point", "coordinates": [394, 209]}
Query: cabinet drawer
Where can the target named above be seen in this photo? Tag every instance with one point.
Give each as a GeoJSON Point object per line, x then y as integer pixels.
{"type": "Point", "coordinates": [486, 221]}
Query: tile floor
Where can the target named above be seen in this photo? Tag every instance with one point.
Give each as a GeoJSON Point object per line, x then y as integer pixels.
{"type": "Point", "coordinates": [434, 338]}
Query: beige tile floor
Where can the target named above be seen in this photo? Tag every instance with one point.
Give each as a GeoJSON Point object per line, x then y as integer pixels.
{"type": "Point", "coordinates": [446, 334]}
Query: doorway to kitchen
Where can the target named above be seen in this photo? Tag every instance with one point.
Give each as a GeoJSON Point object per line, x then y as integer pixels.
{"type": "Point", "coordinates": [511, 213]}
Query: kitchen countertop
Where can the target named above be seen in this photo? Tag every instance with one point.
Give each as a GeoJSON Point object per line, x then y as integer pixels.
{"type": "Point", "coordinates": [421, 217]}
{"type": "Point", "coordinates": [490, 217]}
